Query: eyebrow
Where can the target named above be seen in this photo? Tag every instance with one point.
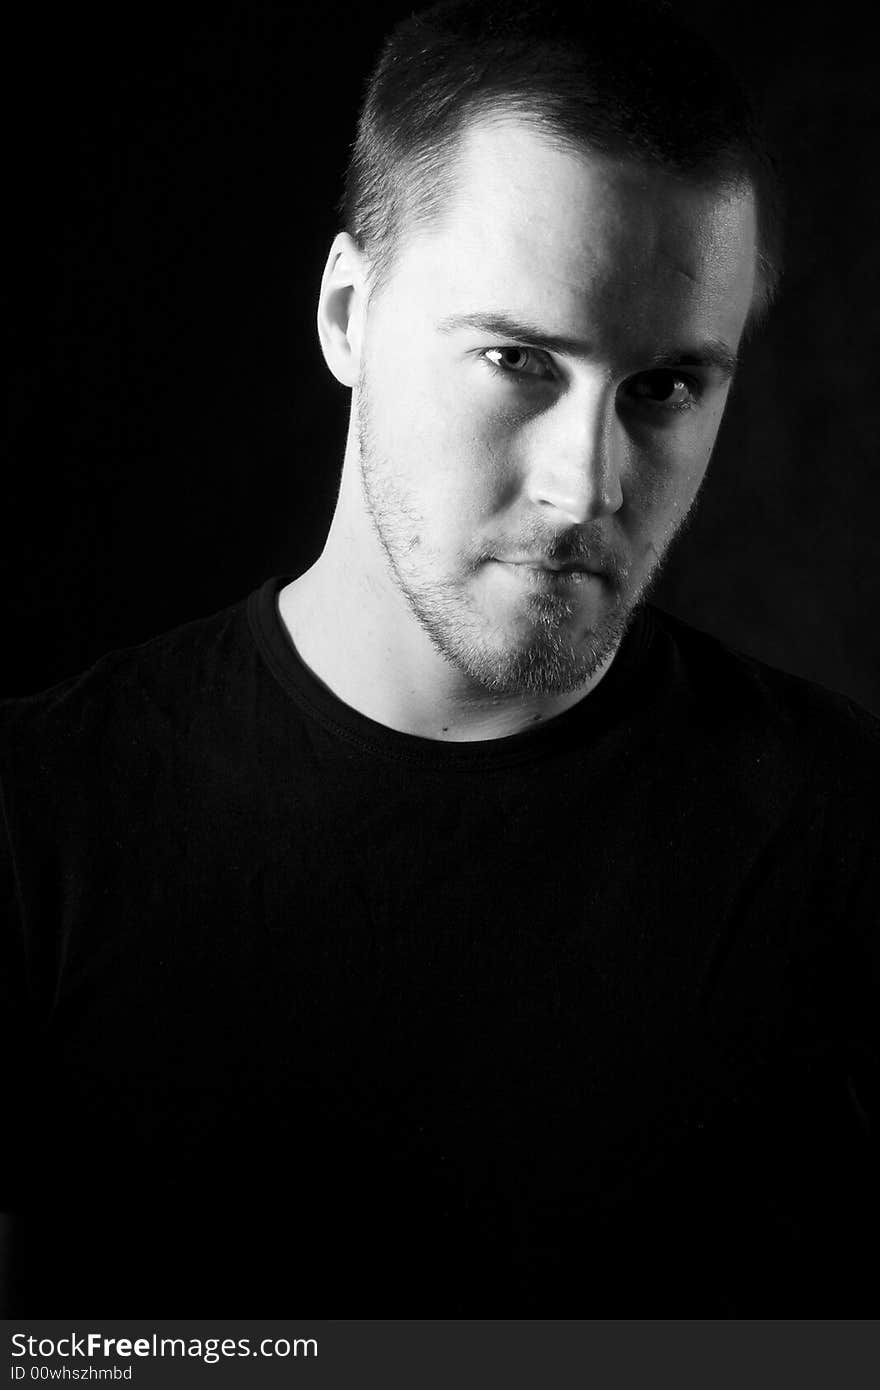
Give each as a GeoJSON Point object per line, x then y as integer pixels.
{"type": "Point", "coordinates": [713, 353]}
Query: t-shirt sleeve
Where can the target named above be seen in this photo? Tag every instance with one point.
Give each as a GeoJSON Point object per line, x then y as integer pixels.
{"type": "Point", "coordinates": [16, 1029]}
{"type": "Point", "coordinates": [851, 871]}
{"type": "Point", "coordinates": [862, 916]}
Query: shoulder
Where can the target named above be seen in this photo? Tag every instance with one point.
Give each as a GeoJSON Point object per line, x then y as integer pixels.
{"type": "Point", "coordinates": [769, 710]}
{"type": "Point", "coordinates": [130, 695]}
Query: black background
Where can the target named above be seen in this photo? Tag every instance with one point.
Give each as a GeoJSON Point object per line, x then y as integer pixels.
{"type": "Point", "coordinates": [174, 434]}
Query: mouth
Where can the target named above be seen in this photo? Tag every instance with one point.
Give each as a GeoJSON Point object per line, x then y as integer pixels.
{"type": "Point", "coordinates": [554, 567]}
{"type": "Point", "coordinates": [540, 571]}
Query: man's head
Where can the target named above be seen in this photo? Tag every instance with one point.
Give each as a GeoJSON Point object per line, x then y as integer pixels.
{"type": "Point", "coordinates": [625, 79]}
{"type": "Point", "coordinates": [539, 323]}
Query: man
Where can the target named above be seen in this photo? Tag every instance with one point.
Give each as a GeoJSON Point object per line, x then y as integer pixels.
{"type": "Point", "coordinates": [445, 932]}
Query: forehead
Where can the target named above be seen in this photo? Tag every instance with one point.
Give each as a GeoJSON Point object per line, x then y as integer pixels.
{"type": "Point", "coordinates": [621, 250]}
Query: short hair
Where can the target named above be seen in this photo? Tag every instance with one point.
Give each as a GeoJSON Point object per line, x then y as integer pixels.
{"type": "Point", "coordinates": [625, 78]}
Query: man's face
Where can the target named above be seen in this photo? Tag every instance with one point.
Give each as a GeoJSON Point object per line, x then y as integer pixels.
{"type": "Point", "coordinates": [542, 380]}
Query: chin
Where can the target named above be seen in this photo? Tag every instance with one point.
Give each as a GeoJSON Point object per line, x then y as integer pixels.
{"type": "Point", "coordinates": [551, 645]}
{"type": "Point", "coordinates": [551, 665]}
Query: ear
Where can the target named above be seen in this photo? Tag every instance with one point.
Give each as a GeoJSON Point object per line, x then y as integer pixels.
{"type": "Point", "coordinates": [341, 308]}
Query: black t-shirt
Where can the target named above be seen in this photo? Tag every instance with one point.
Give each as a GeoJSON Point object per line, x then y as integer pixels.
{"type": "Point", "coordinates": [319, 1018]}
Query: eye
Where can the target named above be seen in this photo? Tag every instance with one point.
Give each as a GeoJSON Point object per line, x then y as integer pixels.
{"type": "Point", "coordinates": [663, 389]}
{"type": "Point", "coordinates": [518, 361]}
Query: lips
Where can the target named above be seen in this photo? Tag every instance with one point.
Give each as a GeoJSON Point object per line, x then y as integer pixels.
{"type": "Point", "coordinates": [540, 575]}
{"type": "Point", "coordinates": [541, 562]}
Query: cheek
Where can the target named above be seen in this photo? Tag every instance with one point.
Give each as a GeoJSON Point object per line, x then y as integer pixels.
{"type": "Point", "coordinates": [449, 441]}
{"type": "Point", "coordinates": [426, 421]}
{"type": "Point", "coordinates": [451, 468]}
{"type": "Point", "coordinates": [665, 478]}
{"type": "Point", "coordinates": [462, 454]}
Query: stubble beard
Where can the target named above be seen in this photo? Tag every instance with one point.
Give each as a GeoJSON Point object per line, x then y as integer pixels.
{"type": "Point", "coordinates": [554, 659]}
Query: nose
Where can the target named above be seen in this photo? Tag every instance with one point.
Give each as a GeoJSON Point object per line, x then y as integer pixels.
{"type": "Point", "coordinates": [577, 456]}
